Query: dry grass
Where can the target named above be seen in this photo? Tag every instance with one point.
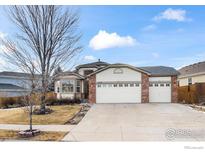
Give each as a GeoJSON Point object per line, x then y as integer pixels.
{"type": "Point", "coordinates": [61, 115]}
{"type": "Point", "coordinates": [43, 136]}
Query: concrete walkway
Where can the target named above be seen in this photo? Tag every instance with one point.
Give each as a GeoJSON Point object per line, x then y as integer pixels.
{"type": "Point", "coordinates": [140, 122]}
{"type": "Point", "coordinates": [60, 128]}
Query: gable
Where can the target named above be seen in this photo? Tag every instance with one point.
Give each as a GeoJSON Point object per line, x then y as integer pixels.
{"type": "Point", "coordinates": [118, 74]}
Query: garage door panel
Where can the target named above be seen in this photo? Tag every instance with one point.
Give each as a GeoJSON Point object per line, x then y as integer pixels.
{"type": "Point", "coordinates": [160, 94]}
{"type": "Point", "coordinates": [160, 89]}
{"type": "Point", "coordinates": [118, 94]}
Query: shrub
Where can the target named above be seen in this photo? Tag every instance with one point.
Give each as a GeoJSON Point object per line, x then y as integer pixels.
{"type": "Point", "coordinates": [11, 102]}
{"type": "Point", "coordinates": [64, 101]}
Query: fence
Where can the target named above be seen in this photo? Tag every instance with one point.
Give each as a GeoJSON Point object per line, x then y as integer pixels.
{"type": "Point", "coordinates": [193, 94]}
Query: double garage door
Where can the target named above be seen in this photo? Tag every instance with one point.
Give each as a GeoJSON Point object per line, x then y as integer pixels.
{"type": "Point", "coordinates": [118, 92]}
{"type": "Point", "coordinates": [131, 92]}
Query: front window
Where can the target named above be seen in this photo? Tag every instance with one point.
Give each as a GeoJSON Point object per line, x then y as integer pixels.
{"type": "Point", "coordinates": [78, 86]}
{"type": "Point", "coordinates": [67, 86]}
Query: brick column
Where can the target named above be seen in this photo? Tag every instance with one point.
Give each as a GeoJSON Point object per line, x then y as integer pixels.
{"type": "Point", "coordinates": [174, 92]}
{"type": "Point", "coordinates": [145, 88]}
{"type": "Point", "coordinates": [92, 89]}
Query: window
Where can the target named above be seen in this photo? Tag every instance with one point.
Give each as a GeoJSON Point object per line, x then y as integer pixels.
{"type": "Point", "coordinates": [67, 86]}
{"type": "Point", "coordinates": [125, 85]}
{"type": "Point", "coordinates": [99, 85]}
{"type": "Point", "coordinates": [58, 89]}
{"type": "Point", "coordinates": [151, 85]}
{"type": "Point", "coordinates": [104, 85]}
{"type": "Point", "coordinates": [137, 84]}
{"type": "Point", "coordinates": [120, 85]}
{"type": "Point", "coordinates": [109, 85]}
{"type": "Point", "coordinates": [161, 84]}
{"type": "Point", "coordinates": [189, 81]}
{"type": "Point", "coordinates": [131, 84]}
{"type": "Point", "coordinates": [78, 86]}
{"type": "Point", "coordinates": [156, 85]}
{"type": "Point", "coordinates": [87, 72]}
{"type": "Point", "coordinates": [118, 71]}
{"type": "Point", "coordinates": [114, 85]}
{"type": "Point", "coordinates": [167, 85]}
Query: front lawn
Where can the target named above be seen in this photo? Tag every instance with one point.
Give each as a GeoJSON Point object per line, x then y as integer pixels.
{"type": "Point", "coordinates": [60, 115]}
{"type": "Point", "coordinates": [43, 136]}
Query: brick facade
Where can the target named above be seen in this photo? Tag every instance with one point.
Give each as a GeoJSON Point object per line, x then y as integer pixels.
{"type": "Point", "coordinates": [145, 88]}
{"type": "Point", "coordinates": [174, 96]}
{"type": "Point", "coordinates": [92, 89]}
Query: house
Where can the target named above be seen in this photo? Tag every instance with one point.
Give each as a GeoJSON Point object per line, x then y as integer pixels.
{"type": "Point", "coordinates": [192, 74]}
{"type": "Point", "coordinates": [13, 84]}
{"type": "Point", "coordinates": [119, 83]}
{"type": "Point", "coordinates": [74, 84]}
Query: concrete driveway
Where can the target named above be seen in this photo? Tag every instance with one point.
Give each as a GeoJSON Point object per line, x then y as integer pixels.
{"type": "Point", "coordinates": [140, 122]}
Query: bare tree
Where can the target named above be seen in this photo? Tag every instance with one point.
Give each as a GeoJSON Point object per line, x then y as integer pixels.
{"type": "Point", "coordinates": [31, 98]}
{"type": "Point", "coordinates": [48, 37]}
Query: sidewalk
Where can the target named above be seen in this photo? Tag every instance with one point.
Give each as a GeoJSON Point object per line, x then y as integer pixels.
{"type": "Point", "coordinates": [58, 128]}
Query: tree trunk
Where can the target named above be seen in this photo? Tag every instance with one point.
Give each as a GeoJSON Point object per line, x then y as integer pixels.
{"type": "Point", "coordinates": [43, 97]}
{"type": "Point", "coordinates": [30, 116]}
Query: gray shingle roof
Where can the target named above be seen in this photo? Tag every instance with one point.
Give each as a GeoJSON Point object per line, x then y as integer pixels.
{"type": "Point", "coordinates": [15, 74]}
{"type": "Point", "coordinates": [9, 86]}
{"type": "Point", "coordinates": [193, 69]}
{"type": "Point", "coordinates": [69, 73]}
{"type": "Point", "coordinates": [160, 70]}
{"type": "Point", "coordinates": [97, 64]}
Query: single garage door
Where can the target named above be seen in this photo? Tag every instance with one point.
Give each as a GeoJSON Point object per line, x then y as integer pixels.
{"type": "Point", "coordinates": [160, 92]}
{"type": "Point", "coordinates": [127, 92]}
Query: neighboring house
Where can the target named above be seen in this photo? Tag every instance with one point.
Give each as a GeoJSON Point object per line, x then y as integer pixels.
{"type": "Point", "coordinates": [120, 83]}
{"type": "Point", "coordinates": [192, 74]}
{"type": "Point", "coordinates": [14, 84]}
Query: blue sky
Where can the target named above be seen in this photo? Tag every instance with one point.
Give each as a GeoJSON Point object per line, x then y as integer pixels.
{"type": "Point", "coordinates": [138, 35]}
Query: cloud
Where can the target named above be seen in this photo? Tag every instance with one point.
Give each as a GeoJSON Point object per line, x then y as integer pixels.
{"type": "Point", "coordinates": [171, 14]}
{"type": "Point", "coordinates": [104, 40]}
{"type": "Point", "coordinates": [2, 35]}
{"type": "Point", "coordinates": [179, 30]}
{"type": "Point", "coordinates": [90, 58]}
{"type": "Point", "coordinates": [149, 27]}
{"type": "Point", "coordinates": [155, 55]}
{"type": "Point", "coordinates": [2, 47]}
{"type": "Point", "coordinates": [2, 64]}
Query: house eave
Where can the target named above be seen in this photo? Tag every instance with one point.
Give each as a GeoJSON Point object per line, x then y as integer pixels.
{"type": "Point", "coordinates": [190, 75]}
{"type": "Point", "coordinates": [118, 65]}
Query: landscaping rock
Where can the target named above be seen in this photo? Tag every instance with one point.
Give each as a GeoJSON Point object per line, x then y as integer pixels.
{"type": "Point", "coordinates": [79, 116]}
{"type": "Point", "coordinates": [28, 133]}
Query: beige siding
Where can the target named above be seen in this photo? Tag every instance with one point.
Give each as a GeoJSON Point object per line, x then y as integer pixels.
{"type": "Point", "coordinates": [195, 79]}
{"type": "Point", "coordinates": [127, 75]}
{"type": "Point", "coordinates": [81, 70]}
{"type": "Point", "coordinates": [165, 79]}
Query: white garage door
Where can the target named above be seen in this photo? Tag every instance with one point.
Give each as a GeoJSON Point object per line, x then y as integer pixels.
{"type": "Point", "coordinates": [160, 90]}
{"type": "Point", "coordinates": [118, 92]}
